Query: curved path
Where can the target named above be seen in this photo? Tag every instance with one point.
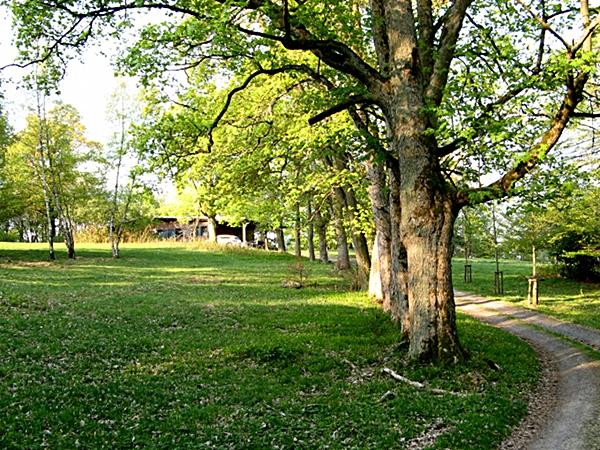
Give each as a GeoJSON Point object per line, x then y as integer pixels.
{"type": "Point", "coordinates": [572, 401]}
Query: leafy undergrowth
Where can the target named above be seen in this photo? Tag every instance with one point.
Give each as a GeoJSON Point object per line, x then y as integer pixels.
{"type": "Point", "coordinates": [566, 299]}
{"type": "Point", "coordinates": [174, 347]}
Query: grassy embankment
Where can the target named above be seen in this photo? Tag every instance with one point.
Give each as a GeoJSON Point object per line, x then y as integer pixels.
{"type": "Point", "coordinates": [566, 299]}
{"type": "Point", "coordinates": [174, 347]}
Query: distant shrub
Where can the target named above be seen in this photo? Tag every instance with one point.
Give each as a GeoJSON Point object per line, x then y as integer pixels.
{"type": "Point", "coordinates": [581, 265]}
{"type": "Point", "coordinates": [10, 236]}
{"type": "Point", "coordinates": [578, 255]}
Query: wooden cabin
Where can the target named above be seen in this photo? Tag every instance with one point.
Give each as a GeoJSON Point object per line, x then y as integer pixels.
{"type": "Point", "coordinates": [170, 227]}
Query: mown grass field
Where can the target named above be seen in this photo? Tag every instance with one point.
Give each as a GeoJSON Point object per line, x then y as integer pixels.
{"type": "Point", "coordinates": [569, 300]}
{"type": "Point", "coordinates": [174, 347]}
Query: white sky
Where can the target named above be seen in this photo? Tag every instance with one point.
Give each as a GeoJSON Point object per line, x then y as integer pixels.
{"type": "Point", "coordinates": [87, 86]}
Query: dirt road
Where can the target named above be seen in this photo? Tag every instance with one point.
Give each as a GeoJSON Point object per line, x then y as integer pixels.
{"type": "Point", "coordinates": [565, 412]}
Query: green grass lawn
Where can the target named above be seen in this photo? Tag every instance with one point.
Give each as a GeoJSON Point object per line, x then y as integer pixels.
{"type": "Point", "coordinates": [174, 347]}
{"type": "Point", "coordinates": [566, 299]}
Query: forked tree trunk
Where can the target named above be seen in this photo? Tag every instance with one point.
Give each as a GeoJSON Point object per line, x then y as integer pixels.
{"type": "Point", "coordinates": [423, 211]}
{"type": "Point", "coordinates": [427, 218]}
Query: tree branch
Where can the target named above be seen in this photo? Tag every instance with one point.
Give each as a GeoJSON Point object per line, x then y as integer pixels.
{"type": "Point", "coordinates": [48, 53]}
{"type": "Point", "coordinates": [450, 148]}
{"type": "Point", "coordinates": [108, 11]}
{"type": "Point", "coordinates": [501, 187]}
{"type": "Point", "coordinates": [380, 36]}
{"type": "Point", "coordinates": [353, 100]}
{"type": "Point", "coordinates": [544, 24]}
{"type": "Point", "coordinates": [585, 38]}
{"type": "Point", "coordinates": [244, 85]}
{"type": "Point", "coordinates": [334, 53]}
{"type": "Point", "coordinates": [426, 37]}
{"type": "Point", "coordinates": [450, 33]}
{"type": "Point", "coordinates": [586, 115]}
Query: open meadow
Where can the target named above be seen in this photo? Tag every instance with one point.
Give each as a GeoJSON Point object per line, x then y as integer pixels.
{"type": "Point", "coordinates": [173, 346]}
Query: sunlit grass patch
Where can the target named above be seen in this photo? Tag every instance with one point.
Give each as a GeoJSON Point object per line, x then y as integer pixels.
{"type": "Point", "coordinates": [178, 347]}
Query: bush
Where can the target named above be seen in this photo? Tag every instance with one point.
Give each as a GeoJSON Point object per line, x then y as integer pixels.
{"type": "Point", "coordinates": [10, 236]}
{"type": "Point", "coordinates": [581, 265]}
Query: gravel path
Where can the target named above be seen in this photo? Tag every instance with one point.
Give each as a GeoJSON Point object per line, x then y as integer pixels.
{"type": "Point", "coordinates": [565, 409]}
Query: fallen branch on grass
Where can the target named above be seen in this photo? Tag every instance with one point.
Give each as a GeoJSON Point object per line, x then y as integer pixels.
{"type": "Point", "coordinates": [396, 376]}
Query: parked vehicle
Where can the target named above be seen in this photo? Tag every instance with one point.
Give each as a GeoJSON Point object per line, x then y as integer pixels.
{"type": "Point", "coordinates": [261, 244]}
{"type": "Point", "coordinates": [229, 239]}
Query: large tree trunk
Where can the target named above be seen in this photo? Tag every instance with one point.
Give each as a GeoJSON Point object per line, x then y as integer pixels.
{"type": "Point", "coordinates": [280, 239]}
{"type": "Point", "coordinates": [70, 241]}
{"type": "Point", "coordinates": [359, 240]}
{"type": "Point", "coordinates": [381, 263]}
{"type": "Point", "coordinates": [427, 218]}
{"type": "Point", "coordinates": [423, 218]}
{"type": "Point", "coordinates": [431, 300]}
{"type": "Point", "coordinates": [310, 235]}
{"type": "Point", "coordinates": [212, 228]}
{"type": "Point", "coordinates": [321, 224]}
{"type": "Point", "coordinates": [343, 257]}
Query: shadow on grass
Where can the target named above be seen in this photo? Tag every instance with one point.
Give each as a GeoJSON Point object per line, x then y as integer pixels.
{"type": "Point", "coordinates": [176, 348]}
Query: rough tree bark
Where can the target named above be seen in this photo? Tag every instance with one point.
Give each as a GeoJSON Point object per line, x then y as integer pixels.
{"type": "Point", "coordinates": [399, 266]}
{"type": "Point", "coordinates": [427, 212]}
